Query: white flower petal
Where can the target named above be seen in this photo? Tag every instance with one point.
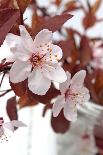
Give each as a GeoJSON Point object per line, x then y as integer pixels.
{"type": "Point", "coordinates": [37, 83]}
{"type": "Point", "coordinates": [17, 47]}
{"type": "Point", "coordinates": [83, 95]}
{"type": "Point", "coordinates": [54, 54]}
{"type": "Point", "coordinates": [65, 85]}
{"type": "Point", "coordinates": [54, 73]}
{"type": "Point", "coordinates": [43, 38]}
{"type": "Point", "coordinates": [58, 105]}
{"type": "Point", "coordinates": [9, 126]}
{"type": "Point", "coordinates": [20, 71]}
{"type": "Point", "coordinates": [11, 58]}
{"type": "Point", "coordinates": [26, 38]}
{"type": "Point", "coordinates": [16, 123]}
{"type": "Point", "coordinates": [78, 79]}
{"type": "Point", "coordinates": [70, 110]}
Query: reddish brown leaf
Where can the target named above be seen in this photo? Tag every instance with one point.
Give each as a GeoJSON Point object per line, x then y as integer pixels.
{"type": "Point", "coordinates": [91, 86]}
{"type": "Point", "coordinates": [67, 47]}
{"type": "Point", "coordinates": [72, 6]}
{"type": "Point", "coordinates": [23, 4]}
{"type": "Point", "coordinates": [60, 124]}
{"type": "Point", "coordinates": [54, 23]}
{"type": "Point", "coordinates": [58, 2]}
{"type": "Point", "coordinates": [96, 88]}
{"type": "Point", "coordinates": [96, 6]}
{"type": "Point", "coordinates": [89, 20]}
{"type": "Point", "coordinates": [4, 4]}
{"type": "Point", "coordinates": [51, 93]}
{"type": "Point", "coordinates": [85, 51]}
{"type": "Point", "coordinates": [26, 100]}
{"type": "Point", "coordinates": [19, 88]}
{"type": "Point", "coordinates": [8, 18]}
{"type": "Point", "coordinates": [99, 86]}
{"type": "Point", "coordinates": [11, 108]}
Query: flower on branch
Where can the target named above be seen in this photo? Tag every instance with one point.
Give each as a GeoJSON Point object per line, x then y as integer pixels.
{"type": "Point", "coordinates": [73, 93]}
{"type": "Point", "coordinates": [9, 125]}
{"type": "Point", "coordinates": [36, 60]}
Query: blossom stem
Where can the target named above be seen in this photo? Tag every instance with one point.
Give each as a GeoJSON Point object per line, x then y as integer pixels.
{"type": "Point", "coordinates": [7, 91]}
{"type": "Point", "coordinates": [3, 66]}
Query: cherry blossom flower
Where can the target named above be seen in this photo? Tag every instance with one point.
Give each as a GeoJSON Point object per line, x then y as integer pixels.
{"type": "Point", "coordinates": [36, 60]}
{"type": "Point", "coordinates": [10, 126]}
{"type": "Point", "coordinates": [73, 93]}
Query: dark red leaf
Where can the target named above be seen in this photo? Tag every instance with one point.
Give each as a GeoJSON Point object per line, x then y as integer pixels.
{"type": "Point", "coordinates": [60, 124]}
{"type": "Point", "coordinates": [23, 4]}
{"type": "Point", "coordinates": [69, 51]}
{"type": "Point", "coordinates": [67, 47]}
{"type": "Point", "coordinates": [91, 86]}
{"type": "Point", "coordinates": [8, 18]}
{"type": "Point", "coordinates": [27, 100]}
{"type": "Point", "coordinates": [72, 6]}
{"type": "Point", "coordinates": [51, 93]}
{"type": "Point", "coordinates": [99, 86]}
{"type": "Point", "coordinates": [89, 20]}
{"type": "Point", "coordinates": [58, 2]}
{"type": "Point", "coordinates": [54, 23]}
{"type": "Point", "coordinates": [85, 51]}
{"type": "Point", "coordinates": [11, 108]}
{"type": "Point", "coordinates": [19, 88]}
{"type": "Point", "coordinates": [4, 3]}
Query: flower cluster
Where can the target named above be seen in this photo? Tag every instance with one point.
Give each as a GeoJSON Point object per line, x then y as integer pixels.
{"type": "Point", "coordinates": [38, 60]}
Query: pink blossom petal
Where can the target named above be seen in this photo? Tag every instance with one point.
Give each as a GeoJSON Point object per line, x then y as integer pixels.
{"type": "Point", "coordinates": [43, 38]}
{"type": "Point", "coordinates": [11, 58]}
{"type": "Point", "coordinates": [58, 105]}
{"type": "Point", "coordinates": [17, 47]}
{"type": "Point", "coordinates": [12, 124]}
{"type": "Point", "coordinates": [17, 123]}
{"type": "Point", "coordinates": [54, 73]}
{"type": "Point", "coordinates": [37, 83]}
{"type": "Point", "coordinates": [9, 126]}
{"type": "Point", "coordinates": [78, 79]}
{"type": "Point", "coordinates": [83, 95]}
{"type": "Point", "coordinates": [26, 38]}
{"type": "Point", "coordinates": [65, 85]}
{"type": "Point", "coordinates": [70, 110]}
{"type": "Point", "coordinates": [54, 55]}
{"type": "Point", "coordinates": [20, 71]}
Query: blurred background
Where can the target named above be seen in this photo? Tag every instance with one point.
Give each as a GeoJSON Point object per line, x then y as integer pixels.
{"type": "Point", "coordinates": [38, 137]}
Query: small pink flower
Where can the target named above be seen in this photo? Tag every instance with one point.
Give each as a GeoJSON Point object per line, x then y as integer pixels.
{"type": "Point", "coordinates": [36, 60]}
{"type": "Point", "coordinates": [73, 93]}
{"type": "Point", "coordinates": [10, 126]}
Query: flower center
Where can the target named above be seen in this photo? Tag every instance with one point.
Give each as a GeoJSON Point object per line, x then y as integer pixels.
{"type": "Point", "coordinates": [36, 60]}
{"type": "Point", "coordinates": [69, 93]}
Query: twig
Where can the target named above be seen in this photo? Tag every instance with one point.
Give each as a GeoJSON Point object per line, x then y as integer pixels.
{"type": "Point", "coordinates": [7, 91]}
{"type": "Point", "coordinates": [5, 67]}
{"type": "Point", "coordinates": [2, 79]}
